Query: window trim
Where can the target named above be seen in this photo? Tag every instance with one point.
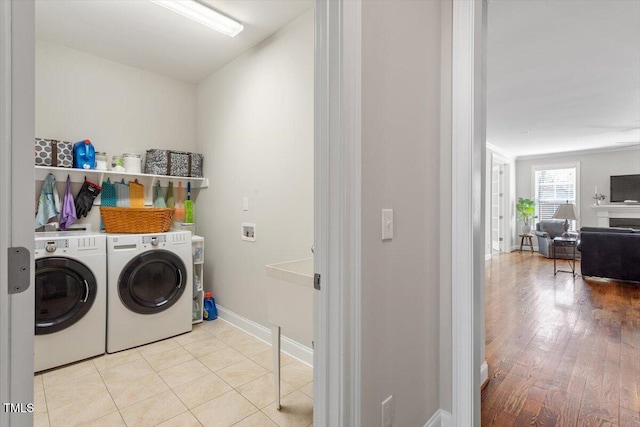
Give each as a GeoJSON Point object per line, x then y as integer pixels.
{"type": "Point", "coordinates": [551, 166]}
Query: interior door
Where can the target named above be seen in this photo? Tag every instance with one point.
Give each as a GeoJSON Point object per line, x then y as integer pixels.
{"type": "Point", "coordinates": [496, 203]}
{"type": "Point", "coordinates": [17, 189]}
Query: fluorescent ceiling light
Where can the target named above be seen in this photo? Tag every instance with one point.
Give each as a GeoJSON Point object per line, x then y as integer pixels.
{"type": "Point", "coordinates": [203, 15]}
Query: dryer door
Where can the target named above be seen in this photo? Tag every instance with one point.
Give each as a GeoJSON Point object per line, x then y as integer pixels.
{"type": "Point", "coordinates": [65, 291]}
{"type": "Point", "coordinates": [152, 282]}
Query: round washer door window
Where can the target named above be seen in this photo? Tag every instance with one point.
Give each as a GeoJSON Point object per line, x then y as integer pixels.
{"type": "Point", "coordinates": [65, 291]}
{"type": "Point", "coordinates": [152, 282]}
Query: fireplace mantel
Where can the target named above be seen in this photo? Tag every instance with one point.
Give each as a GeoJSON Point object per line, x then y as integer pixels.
{"type": "Point", "coordinates": [604, 212]}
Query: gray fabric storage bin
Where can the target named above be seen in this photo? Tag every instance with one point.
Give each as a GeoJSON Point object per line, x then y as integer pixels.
{"type": "Point", "coordinates": [51, 152]}
{"type": "Point", "coordinates": [173, 163]}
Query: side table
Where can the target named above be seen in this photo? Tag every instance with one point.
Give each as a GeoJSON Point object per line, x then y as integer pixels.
{"type": "Point", "coordinates": [526, 240]}
{"type": "Point", "coordinates": [565, 242]}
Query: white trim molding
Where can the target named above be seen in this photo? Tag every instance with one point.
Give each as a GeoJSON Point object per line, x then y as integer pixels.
{"type": "Point", "coordinates": [337, 167]}
{"type": "Point", "coordinates": [290, 347]}
{"type": "Point", "coordinates": [630, 147]}
{"type": "Point", "coordinates": [440, 418]}
{"type": "Point", "coordinates": [484, 372]}
{"type": "Point", "coordinates": [505, 157]}
{"type": "Point", "coordinates": [468, 154]}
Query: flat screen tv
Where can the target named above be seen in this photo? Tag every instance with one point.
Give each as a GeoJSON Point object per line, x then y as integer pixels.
{"type": "Point", "coordinates": [625, 187]}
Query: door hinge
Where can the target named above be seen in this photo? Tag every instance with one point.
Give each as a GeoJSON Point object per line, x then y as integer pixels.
{"type": "Point", "coordinates": [316, 281]}
{"type": "Point", "coordinates": [501, 194]}
{"type": "Point", "coordinates": [19, 269]}
{"type": "Point", "coordinates": [500, 239]}
{"type": "Point", "coordinates": [500, 217]}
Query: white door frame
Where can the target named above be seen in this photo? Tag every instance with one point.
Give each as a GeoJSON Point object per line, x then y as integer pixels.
{"type": "Point", "coordinates": [17, 187]}
{"type": "Point", "coordinates": [337, 213]}
{"type": "Point", "coordinates": [468, 155]}
{"type": "Point", "coordinates": [337, 209]}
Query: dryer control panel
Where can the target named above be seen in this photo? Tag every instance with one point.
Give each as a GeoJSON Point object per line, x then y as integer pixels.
{"type": "Point", "coordinates": [154, 241]}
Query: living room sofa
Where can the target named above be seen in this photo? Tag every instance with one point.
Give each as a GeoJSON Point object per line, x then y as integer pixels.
{"type": "Point", "coordinates": [612, 253]}
{"type": "Point", "coordinates": [546, 231]}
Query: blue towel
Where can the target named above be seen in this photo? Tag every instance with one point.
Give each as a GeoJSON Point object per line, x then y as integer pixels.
{"type": "Point", "coordinates": [49, 201]}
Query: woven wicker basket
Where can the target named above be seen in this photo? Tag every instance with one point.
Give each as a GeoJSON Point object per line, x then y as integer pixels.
{"type": "Point", "coordinates": [136, 220]}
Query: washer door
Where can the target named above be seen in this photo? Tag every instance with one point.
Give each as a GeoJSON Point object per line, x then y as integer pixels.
{"type": "Point", "coordinates": [65, 291]}
{"type": "Point", "coordinates": [152, 282]}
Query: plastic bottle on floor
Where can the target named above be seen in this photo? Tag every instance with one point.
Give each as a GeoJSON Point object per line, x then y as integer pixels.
{"type": "Point", "coordinates": [209, 312]}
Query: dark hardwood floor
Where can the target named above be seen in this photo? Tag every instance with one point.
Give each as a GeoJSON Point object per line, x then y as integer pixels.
{"type": "Point", "coordinates": [560, 352]}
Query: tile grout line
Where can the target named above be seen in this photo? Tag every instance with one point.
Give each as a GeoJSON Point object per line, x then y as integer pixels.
{"type": "Point", "coordinates": [109, 391]}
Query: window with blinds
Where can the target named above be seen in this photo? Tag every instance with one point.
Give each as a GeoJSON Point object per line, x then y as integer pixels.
{"type": "Point", "coordinates": [552, 188]}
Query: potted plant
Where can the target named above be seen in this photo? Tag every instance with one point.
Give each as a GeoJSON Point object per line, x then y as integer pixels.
{"type": "Point", "coordinates": [526, 212]}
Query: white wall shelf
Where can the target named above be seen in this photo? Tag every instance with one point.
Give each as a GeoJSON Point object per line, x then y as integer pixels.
{"type": "Point", "coordinates": [98, 176]}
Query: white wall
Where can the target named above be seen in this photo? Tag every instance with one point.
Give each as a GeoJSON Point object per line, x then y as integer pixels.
{"type": "Point", "coordinates": [255, 128]}
{"type": "Point", "coordinates": [595, 170]}
{"type": "Point", "coordinates": [400, 170]}
{"type": "Point", "coordinates": [119, 108]}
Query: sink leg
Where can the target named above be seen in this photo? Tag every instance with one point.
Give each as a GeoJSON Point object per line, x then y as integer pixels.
{"type": "Point", "coordinates": [275, 344]}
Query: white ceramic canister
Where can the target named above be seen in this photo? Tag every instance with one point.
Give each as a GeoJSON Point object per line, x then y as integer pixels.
{"type": "Point", "coordinates": [132, 162]}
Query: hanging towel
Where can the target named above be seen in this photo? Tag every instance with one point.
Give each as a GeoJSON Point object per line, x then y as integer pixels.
{"type": "Point", "coordinates": [49, 201]}
{"type": "Point", "coordinates": [108, 196]}
{"type": "Point", "coordinates": [68, 214]}
{"type": "Point", "coordinates": [158, 199]}
{"type": "Point", "coordinates": [171, 202]}
{"type": "Point", "coordinates": [122, 194]}
{"type": "Point", "coordinates": [136, 194]}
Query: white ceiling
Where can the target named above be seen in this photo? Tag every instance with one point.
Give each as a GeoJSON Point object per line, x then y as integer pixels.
{"type": "Point", "coordinates": [144, 35]}
{"type": "Point", "coordinates": [567, 72]}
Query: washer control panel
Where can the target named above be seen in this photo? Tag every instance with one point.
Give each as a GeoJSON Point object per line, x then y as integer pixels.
{"type": "Point", "coordinates": [52, 245]}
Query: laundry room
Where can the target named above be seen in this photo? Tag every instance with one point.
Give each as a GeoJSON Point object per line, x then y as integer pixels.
{"type": "Point", "coordinates": [174, 203]}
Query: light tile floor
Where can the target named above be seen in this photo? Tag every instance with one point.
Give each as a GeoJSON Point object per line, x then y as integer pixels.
{"type": "Point", "coordinates": [215, 375]}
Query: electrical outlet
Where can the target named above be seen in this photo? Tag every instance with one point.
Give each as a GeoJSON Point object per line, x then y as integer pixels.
{"type": "Point", "coordinates": [387, 412]}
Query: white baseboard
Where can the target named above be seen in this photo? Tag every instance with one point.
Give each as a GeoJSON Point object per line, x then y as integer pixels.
{"type": "Point", "coordinates": [288, 346]}
{"type": "Point", "coordinates": [441, 418]}
{"type": "Point", "coordinates": [484, 372]}
{"type": "Point", "coordinates": [487, 257]}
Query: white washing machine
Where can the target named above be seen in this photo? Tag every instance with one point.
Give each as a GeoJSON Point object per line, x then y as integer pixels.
{"type": "Point", "coordinates": [150, 289]}
{"type": "Point", "coordinates": [70, 297]}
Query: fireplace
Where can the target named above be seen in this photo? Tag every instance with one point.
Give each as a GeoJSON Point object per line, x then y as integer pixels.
{"type": "Point", "coordinates": [624, 222]}
{"type": "Point", "coordinates": [617, 215]}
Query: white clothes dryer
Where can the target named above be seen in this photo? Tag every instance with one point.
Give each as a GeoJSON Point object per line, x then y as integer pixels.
{"type": "Point", "coordinates": [70, 297]}
{"type": "Point", "coordinates": [150, 288]}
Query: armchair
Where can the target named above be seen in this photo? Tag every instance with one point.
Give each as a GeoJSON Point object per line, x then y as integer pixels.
{"type": "Point", "coordinates": [546, 231]}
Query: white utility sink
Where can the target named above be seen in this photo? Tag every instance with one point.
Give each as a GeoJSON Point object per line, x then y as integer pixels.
{"type": "Point", "coordinates": [290, 300]}
{"type": "Point", "coordinates": [299, 271]}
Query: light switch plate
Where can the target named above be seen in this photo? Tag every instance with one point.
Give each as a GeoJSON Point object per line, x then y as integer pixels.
{"type": "Point", "coordinates": [387, 224]}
